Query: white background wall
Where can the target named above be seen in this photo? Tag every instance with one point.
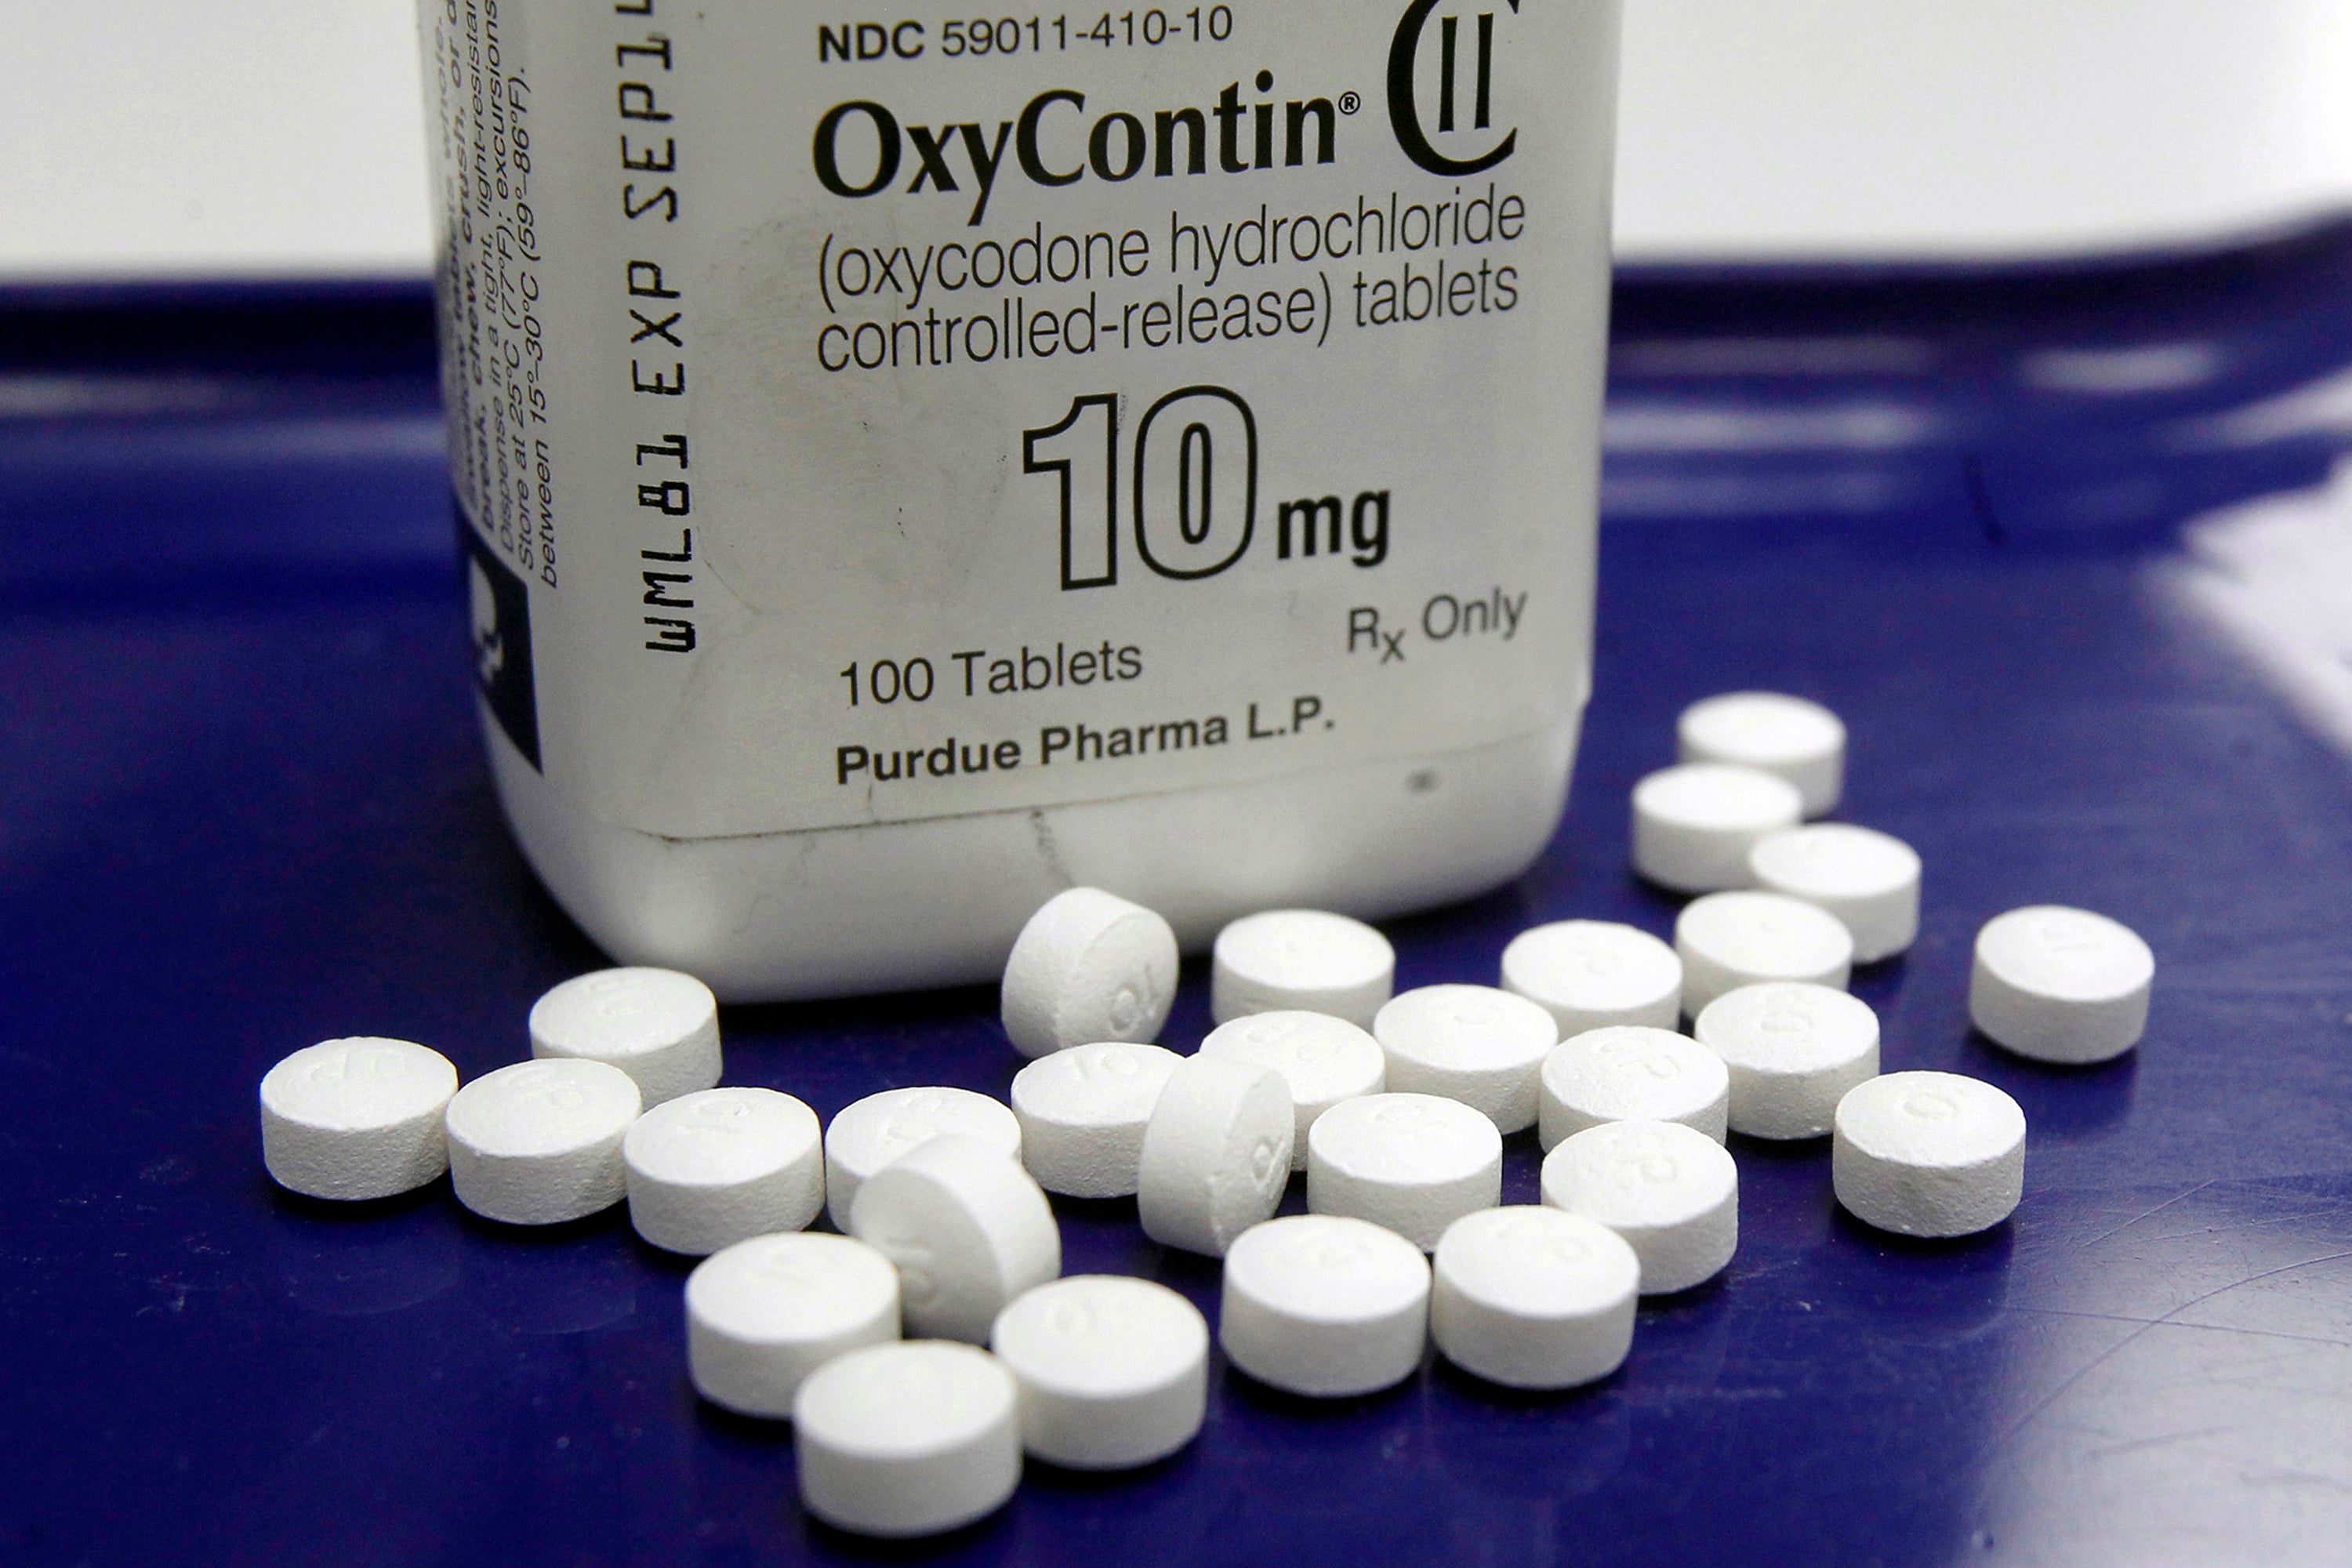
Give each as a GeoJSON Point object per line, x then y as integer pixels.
{"type": "Point", "coordinates": [282, 137]}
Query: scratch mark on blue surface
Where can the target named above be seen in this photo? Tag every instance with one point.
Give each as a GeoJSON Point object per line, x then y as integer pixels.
{"type": "Point", "coordinates": [2096, 1361]}
{"type": "Point", "coordinates": [2137, 1218]}
{"type": "Point", "coordinates": [2211, 1328]}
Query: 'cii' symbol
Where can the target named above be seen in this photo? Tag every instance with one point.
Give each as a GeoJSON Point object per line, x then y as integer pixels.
{"type": "Point", "coordinates": [1446, 27]}
{"type": "Point", "coordinates": [1405, 112]}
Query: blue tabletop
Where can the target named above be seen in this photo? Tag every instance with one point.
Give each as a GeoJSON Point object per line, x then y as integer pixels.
{"type": "Point", "coordinates": [242, 808]}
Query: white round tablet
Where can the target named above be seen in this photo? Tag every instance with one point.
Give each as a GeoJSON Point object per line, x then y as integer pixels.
{"type": "Point", "coordinates": [1114, 1372]}
{"type": "Point", "coordinates": [969, 1229]}
{"type": "Point", "coordinates": [660, 1026]}
{"type": "Point", "coordinates": [1414, 1162]}
{"type": "Point", "coordinates": [1309, 960]}
{"type": "Point", "coordinates": [1322, 1059]}
{"type": "Point", "coordinates": [1470, 1043]}
{"type": "Point", "coordinates": [1729, 939]}
{"type": "Point", "coordinates": [1794, 1050]}
{"type": "Point", "coordinates": [707, 1170]}
{"type": "Point", "coordinates": [1082, 1113]}
{"type": "Point", "coordinates": [868, 1133]}
{"type": "Point", "coordinates": [1928, 1153]}
{"type": "Point", "coordinates": [1631, 1073]}
{"type": "Point", "coordinates": [1867, 879]}
{"type": "Point", "coordinates": [358, 1118]}
{"type": "Point", "coordinates": [762, 1314]}
{"type": "Point", "coordinates": [1533, 1297]}
{"type": "Point", "coordinates": [1693, 824]}
{"type": "Point", "coordinates": [1090, 965]}
{"type": "Point", "coordinates": [1217, 1153]}
{"type": "Point", "coordinates": [1591, 973]}
{"type": "Point", "coordinates": [2061, 985]}
{"type": "Point", "coordinates": [908, 1438]}
{"type": "Point", "coordinates": [1802, 741]}
{"type": "Point", "coordinates": [1325, 1305]}
{"type": "Point", "coordinates": [539, 1142]}
{"type": "Point", "coordinates": [1672, 1193]}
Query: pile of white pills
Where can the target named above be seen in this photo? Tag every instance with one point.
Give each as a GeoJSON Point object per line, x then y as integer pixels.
{"type": "Point", "coordinates": [1767, 953]}
{"type": "Point", "coordinates": [1394, 1106]}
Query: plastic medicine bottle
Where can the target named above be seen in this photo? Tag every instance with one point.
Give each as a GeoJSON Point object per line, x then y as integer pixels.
{"type": "Point", "coordinates": [911, 462]}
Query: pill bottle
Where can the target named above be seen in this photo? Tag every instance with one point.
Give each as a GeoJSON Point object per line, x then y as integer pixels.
{"type": "Point", "coordinates": [911, 461]}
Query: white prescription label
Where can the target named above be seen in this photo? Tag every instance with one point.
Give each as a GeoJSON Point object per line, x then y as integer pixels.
{"type": "Point", "coordinates": [862, 415]}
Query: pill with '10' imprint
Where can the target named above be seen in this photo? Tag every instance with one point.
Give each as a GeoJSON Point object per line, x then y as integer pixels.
{"type": "Point", "coordinates": [539, 1142]}
{"type": "Point", "coordinates": [1324, 1305]}
{"type": "Point", "coordinates": [1083, 1111]}
{"type": "Point", "coordinates": [1414, 1162]}
{"type": "Point", "coordinates": [1928, 1153]}
{"type": "Point", "coordinates": [907, 1439]}
{"type": "Point", "coordinates": [1632, 1073]}
{"type": "Point", "coordinates": [1591, 974]}
{"type": "Point", "coordinates": [1671, 1192]}
{"type": "Point", "coordinates": [1471, 1043]}
{"type": "Point", "coordinates": [2061, 985]}
{"type": "Point", "coordinates": [1802, 741]}
{"type": "Point", "coordinates": [1309, 959]}
{"type": "Point", "coordinates": [660, 1026]}
{"type": "Point", "coordinates": [1322, 1059]}
{"type": "Point", "coordinates": [1114, 1371]}
{"type": "Point", "coordinates": [357, 1118]}
{"type": "Point", "coordinates": [870, 1133]}
{"type": "Point", "coordinates": [1090, 965]}
{"type": "Point", "coordinates": [708, 1169]}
